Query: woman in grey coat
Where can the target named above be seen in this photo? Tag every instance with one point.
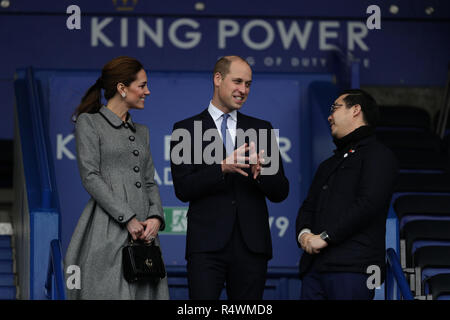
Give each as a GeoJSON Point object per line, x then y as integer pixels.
{"type": "Point", "coordinates": [117, 170]}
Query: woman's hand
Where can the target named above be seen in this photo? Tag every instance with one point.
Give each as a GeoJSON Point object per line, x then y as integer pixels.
{"type": "Point", "coordinates": [151, 229]}
{"type": "Point", "coordinates": [135, 228]}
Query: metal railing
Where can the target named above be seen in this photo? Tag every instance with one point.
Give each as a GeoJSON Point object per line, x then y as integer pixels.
{"type": "Point", "coordinates": [36, 215]}
{"type": "Point", "coordinates": [46, 186]}
{"type": "Point", "coordinates": [54, 285]}
{"type": "Point", "coordinates": [395, 279]}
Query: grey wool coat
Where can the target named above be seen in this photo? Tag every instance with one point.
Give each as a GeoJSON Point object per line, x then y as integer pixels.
{"type": "Point", "coordinates": [117, 170]}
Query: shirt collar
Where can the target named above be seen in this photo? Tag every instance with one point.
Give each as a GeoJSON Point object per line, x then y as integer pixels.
{"type": "Point", "coordinates": [216, 113]}
{"type": "Point", "coordinates": [115, 121]}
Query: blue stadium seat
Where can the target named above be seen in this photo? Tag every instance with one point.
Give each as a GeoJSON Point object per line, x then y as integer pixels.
{"type": "Point", "coordinates": [438, 286]}
{"type": "Point", "coordinates": [422, 207]}
{"type": "Point", "coordinates": [422, 233]}
{"type": "Point", "coordinates": [430, 261]}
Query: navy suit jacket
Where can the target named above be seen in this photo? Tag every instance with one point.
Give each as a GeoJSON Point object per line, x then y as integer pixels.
{"type": "Point", "coordinates": [217, 200]}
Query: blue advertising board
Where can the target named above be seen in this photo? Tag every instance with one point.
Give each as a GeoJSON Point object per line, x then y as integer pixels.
{"type": "Point", "coordinates": [411, 48]}
{"type": "Point", "coordinates": [171, 43]}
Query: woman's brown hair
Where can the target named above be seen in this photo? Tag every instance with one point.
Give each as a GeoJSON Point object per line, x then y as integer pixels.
{"type": "Point", "coordinates": [122, 69]}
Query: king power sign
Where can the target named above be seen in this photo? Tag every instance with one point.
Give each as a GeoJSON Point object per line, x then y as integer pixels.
{"type": "Point", "coordinates": [268, 45]}
{"type": "Point", "coordinates": [187, 33]}
{"type": "Point", "coordinates": [291, 45]}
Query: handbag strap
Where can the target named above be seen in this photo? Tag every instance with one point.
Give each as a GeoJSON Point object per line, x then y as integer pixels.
{"type": "Point", "coordinates": [133, 242]}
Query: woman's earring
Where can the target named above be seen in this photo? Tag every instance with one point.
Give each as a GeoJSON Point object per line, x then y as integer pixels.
{"type": "Point", "coordinates": [124, 95]}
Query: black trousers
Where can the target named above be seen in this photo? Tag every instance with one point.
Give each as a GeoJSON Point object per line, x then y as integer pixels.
{"type": "Point", "coordinates": [241, 271]}
{"type": "Point", "coordinates": [335, 286]}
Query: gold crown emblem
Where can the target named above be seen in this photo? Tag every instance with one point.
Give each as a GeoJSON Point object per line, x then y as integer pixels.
{"type": "Point", "coordinates": [124, 5]}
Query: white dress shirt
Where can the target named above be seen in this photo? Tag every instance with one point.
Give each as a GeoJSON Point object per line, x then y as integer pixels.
{"type": "Point", "coordinates": [305, 230]}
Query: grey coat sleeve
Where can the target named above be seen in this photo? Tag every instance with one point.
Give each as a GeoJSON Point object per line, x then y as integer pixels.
{"type": "Point", "coordinates": [155, 208]}
{"type": "Point", "coordinates": [88, 158]}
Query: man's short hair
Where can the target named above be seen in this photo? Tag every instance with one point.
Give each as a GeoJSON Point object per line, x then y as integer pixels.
{"type": "Point", "coordinates": [369, 107]}
{"type": "Point", "coordinates": [223, 64]}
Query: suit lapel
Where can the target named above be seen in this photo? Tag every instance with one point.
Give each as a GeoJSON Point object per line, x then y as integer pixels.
{"type": "Point", "coordinates": [208, 123]}
{"type": "Point", "coordinates": [244, 124]}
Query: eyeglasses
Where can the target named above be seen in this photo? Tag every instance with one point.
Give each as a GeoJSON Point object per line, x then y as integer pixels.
{"type": "Point", "coordinates": [334, 106]}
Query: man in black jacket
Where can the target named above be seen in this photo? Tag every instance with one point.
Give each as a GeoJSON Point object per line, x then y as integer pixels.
{"type": "Point", "coordinates": [341, 225]}
{"type": "Point", "coordinates": [228, 237]}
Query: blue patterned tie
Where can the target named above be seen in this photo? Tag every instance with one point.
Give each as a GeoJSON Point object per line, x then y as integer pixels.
{"type": "Point", "coordinates": [226, 137]}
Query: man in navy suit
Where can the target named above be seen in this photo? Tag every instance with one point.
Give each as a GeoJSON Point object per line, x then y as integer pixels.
{"type": "Point", "coordinates": [341, 224]}
{"type": "Point", "coordinates": [228, 237]}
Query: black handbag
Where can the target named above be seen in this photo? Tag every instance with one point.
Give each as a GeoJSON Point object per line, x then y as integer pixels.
{"type": "Point", "coordinates": [142, 262]}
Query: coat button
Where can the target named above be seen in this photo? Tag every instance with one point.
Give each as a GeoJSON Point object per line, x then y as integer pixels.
{"type": "Point", "coordinates": [131, 138]}
{"type": "Point", "coordinates": [233, 202]}
{"type": "Point", "coordinates": [325, 187]}
{"type": "Point", "coordinates": [120, 218]}
{"type": "Point", "coordinates": [138, 184]}
{"type": "Point", "coordinates": [136, 169]}
{"type": "Point", "coordinates": [126, 125]}
{"type": "Point", "coordinates": [136, 152]}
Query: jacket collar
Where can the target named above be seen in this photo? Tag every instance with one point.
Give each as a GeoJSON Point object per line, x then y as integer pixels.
{"type": "Point", "coordinates": [355, 144]}
{"type": "Point", "coordinates": [217, 113]}
{"type": "Point", "coordinates": [114, 120]}
{"type": "Point", "coordinates": [242, 122]}
{"type": "Point", "coordinates": [341, 155]}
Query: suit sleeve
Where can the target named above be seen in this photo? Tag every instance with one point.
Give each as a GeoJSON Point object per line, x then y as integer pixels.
{"type": "Point", "coordinates": [193, 181]}
{"type": "Point", "coordinates": [272, 182]}
{"type": "Point", "coordinates": [151, 187]}
{"type": "Point", "coordinates": [378, 175]}
{"type": "Point", "coordinates": [307, 210]}
{"type": "Point", "coordinates": [88, 158]}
